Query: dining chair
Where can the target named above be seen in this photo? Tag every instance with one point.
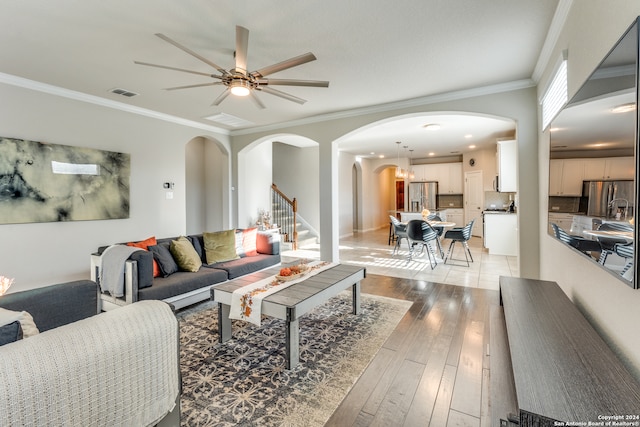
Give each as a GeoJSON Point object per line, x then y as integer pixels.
{"type": "Point", "coordinates": [422, 234]}
{"type": "Point", "coordinates": [436, 217]}
{"type": "Point", "coordinates": [584, 245]}
{"type": "Point", "coordinates": [400, 230]}
{"type": "Point", "coordinates": [608, 244]}
{"type": "Point", "coordinates": [462, 235]}
{"type": "Point", "coordinates": [626, 251]}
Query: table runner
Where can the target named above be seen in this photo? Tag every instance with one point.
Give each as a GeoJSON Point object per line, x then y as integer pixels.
{"type": "Point", "coordinates": [246, 302]}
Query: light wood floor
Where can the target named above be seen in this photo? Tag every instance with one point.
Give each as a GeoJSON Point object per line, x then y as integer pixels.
{"type": "Point", "coordinates": [434, 368]}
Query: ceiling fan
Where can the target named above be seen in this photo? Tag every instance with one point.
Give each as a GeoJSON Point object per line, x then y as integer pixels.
{"type": "Point", "coordinates": [238, 80]}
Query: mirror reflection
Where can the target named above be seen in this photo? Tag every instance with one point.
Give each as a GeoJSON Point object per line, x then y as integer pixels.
{"type": "Point", "coordinates": [592, 170]}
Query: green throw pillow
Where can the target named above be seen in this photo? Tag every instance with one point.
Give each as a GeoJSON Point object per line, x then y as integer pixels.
{"type": "Point", "coordinates": [220, 246]}
{"type": "Point", "coordinates": [185, 254]}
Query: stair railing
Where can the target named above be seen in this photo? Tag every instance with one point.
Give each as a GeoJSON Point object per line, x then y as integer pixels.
{"type": "Point", "coordinates": [284, 211]}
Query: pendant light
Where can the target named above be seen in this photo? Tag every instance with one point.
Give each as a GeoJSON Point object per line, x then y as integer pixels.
{"type": "Point", "coordinates": [399, 171]}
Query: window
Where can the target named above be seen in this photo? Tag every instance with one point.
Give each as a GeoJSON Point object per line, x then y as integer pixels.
{"type": "Point", "coordinates": [555, 96]}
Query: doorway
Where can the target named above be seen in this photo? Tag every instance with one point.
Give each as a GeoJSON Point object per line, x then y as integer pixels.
{"type": "Point", "coordinates": [473, 190]}
{"type": "Point", "coordinates": [400, 195]}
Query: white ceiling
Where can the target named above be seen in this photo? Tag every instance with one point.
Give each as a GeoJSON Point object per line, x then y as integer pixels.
{"type": "Point", "coordinates": [372, 52]}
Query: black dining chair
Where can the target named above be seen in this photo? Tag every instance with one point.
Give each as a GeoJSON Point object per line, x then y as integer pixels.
{"type": "Point", "coordinates": [584, 245]}
{"type": "Point", "coordinates": [436, 217]}
{"type": "Point", "coordinates": [608, 244]}
{"type": "Point", "coordinates": [422, 234]}
{"type": "Point", "coordinates": [400, 230]}
{"type": "Point", "coordinates": [462, 235]}
{"type": "Point", "coordinates": [627, 252]}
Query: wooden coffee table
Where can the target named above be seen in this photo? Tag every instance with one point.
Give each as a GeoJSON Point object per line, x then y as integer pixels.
{"type": "Point", "coordinates": [292, 302]}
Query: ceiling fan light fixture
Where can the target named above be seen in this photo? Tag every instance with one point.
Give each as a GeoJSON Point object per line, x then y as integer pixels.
{"type": "Point", "coordinates": [239, 87]}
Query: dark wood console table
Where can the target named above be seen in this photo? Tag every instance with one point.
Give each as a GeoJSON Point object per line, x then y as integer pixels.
{"type": "Point", "coordinates": [562, 369]}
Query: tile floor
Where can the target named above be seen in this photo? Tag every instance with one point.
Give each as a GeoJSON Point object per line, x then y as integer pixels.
{"type": "Point", "coordinates": [370, 249]}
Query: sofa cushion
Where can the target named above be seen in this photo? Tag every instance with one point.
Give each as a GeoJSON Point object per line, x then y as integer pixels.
{"type": "Point", "coordinates": [27, 324]}
{"type": "Point", "coordinates": [198, 244]}
{"type": "Point", "coordinates": [185, 255]}
{"type": "Point", "coordinates": [162, 254]}
{"type": "Point", "coordinates": [144, 244]}
{"type": "Point", "coordinates": [10, 332]}
{"type": "Point", "coordinates": [182, 282]}
{"type": "Point", "coordinates": [220, 246]}
{"type": "Point", "coordinates": [56, 305]}
{"type": "Point", "coordinates": [242, 266]}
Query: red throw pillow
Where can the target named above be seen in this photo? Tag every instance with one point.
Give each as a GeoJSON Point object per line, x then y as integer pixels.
{"type": "Point", "coordinates": [249, 237]}
{"type": "Point", "coordinates": [151, 241]}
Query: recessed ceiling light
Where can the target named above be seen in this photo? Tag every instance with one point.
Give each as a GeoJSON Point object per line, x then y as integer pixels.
{"type": "Point", "coordinates": [472, 146]}
{"type": "Point", "coordinates": [432, 126]}
{"type": "Point", "coordinates": [381, 156]}
{"type": "Point", "coordinates": [554, 129]}
{"type": "Point", "coordinates": [468, 136]}
{"type": "Point", "coordinates": [432, 154]}
{"type": "Point", "coordinates": [624, 108]}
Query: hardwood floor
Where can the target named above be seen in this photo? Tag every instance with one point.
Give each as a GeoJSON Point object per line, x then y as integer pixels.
{"type": "Point", "coordinates": [434, 368]}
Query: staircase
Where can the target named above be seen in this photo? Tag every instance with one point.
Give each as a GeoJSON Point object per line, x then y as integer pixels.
{"type": "Point", "coordinates": [295, 231]}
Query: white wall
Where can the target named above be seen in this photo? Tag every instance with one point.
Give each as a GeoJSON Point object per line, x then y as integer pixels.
{"type": "Point", "coordinates": [592, 28]}
{"type": "Point", "coordinates": [345, 198]}
{"type": "Point", "coordinates": [296, 173]}
{"type": "Point", "coordinates": [45, 253]}
{"type": "Point", "coordinates": [254, 182]}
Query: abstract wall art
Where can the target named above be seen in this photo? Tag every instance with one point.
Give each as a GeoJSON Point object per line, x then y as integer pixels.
{"type": "Point", "coordinates": [42, 182]}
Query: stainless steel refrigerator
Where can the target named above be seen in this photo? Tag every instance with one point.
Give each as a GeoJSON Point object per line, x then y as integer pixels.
{"type": "Point", "coordinates": [422, 195]}
{"type": "Point", "coordinates": [605, 198]}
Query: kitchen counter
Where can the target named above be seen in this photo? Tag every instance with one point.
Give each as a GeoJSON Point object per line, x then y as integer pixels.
{"type": "Point", "coordinates": [501, 232]}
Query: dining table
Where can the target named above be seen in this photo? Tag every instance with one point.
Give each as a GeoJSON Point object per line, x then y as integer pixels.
{"type": "Point", "coordinates": [610, 234]}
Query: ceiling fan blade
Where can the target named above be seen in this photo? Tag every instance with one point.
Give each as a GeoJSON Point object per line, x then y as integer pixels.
{"type": "Point", "coordinates": [190, 86]}
{"type": "Point", "coordinates": [221, 98]}
{"type": "Point", "coordinates": [293, 62]}
{"type": "Point", "coordinates": [282, 94]}
{"type": "Point", "coordinates": [291, 82]}
{"type": "Point", "coordinates": [178, 69]}
{"type": "Point", "coordinates": [255, 99]}
{"type": "Point", "coordinates": [242, 46]}
{"type": "Point", "coordinates": [192, 53]}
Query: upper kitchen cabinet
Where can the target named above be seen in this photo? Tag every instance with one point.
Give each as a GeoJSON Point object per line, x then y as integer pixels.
{"type": "Point", "coordinates": [565, 177]}
{"type": "Point", "coordinates": [450, 181]}
{"type": "Point", "coordinates": [507, 156]}
{"type": "Point", "coordinates": [609, 168]}
{"type": "Point", "coordinates": [447, 175]}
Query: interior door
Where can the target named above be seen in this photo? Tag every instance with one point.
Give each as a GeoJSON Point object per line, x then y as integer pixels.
{"type": "Point", "coordinates": [474, 201]}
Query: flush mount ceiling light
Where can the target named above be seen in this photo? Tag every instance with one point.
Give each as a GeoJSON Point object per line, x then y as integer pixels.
{"type": "Point", "coordinates": [432, 126]}
{"type": "Point", "coordinates": [624, 108]}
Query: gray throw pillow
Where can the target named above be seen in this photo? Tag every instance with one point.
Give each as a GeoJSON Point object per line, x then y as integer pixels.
{"type": "Point", "coordinates": [163, 257]}
{"type": "Point", "coordinates": [11, 332]}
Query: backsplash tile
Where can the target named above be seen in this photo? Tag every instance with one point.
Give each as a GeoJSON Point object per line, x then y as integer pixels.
{"type": "Point", "coordinates": [495, 200]}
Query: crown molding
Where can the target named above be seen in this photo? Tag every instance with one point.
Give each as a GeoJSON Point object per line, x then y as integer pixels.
{"type": "Point", "coordinates": [557, 23]}
{"type": "Point", "coordinates": [380, 108]}
{"type": "Point", "coordinates": [413, 102]}
{"type": "Point", "coordinates": [104, 102]}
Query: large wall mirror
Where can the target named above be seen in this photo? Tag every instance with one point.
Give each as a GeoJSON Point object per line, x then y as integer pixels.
{"type": "Point", "coordinates": [593, 164]}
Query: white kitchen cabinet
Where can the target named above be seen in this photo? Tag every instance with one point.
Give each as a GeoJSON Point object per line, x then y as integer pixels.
{"type": "Point", "coordinates": [565, 177]}
{"type": "Point", "coordinates": [418, 173]}
{"type": "Point", "coordinates": [620, 168]}
{"type": "Point", "coordinates": [563, 220]}
{"type": "Point", "coordinates": [507, 159]}
{"type": "Point", "coordinates": [455, 215]}
{"type": "Point", "coordinates": [450, 178]}
{"type": "Point", "coordinates": [594, 169]}
{"type": "Point", "coordinates": [501, 233]}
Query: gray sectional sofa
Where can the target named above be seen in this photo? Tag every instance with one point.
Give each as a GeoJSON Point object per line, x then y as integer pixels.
{"type": "Point", "coordinates": [82, 361]}
{"type": "Point", "coordinates": [183, 288]}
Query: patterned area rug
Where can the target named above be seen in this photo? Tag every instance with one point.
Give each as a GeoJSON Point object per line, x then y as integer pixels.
{"type": "Point", "coordinates": [244, 381]}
